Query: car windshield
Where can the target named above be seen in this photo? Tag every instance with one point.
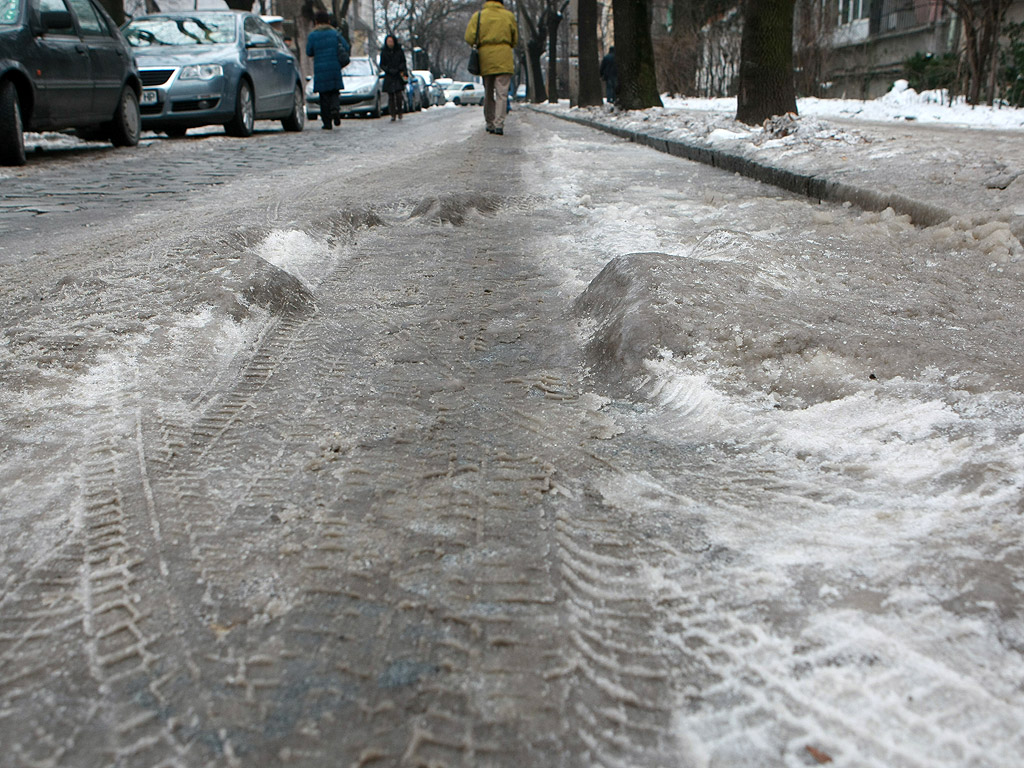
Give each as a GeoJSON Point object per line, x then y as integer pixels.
{"type": "Point", "coordinates": [9, 11]}
{"type": "Point", "coordinates": [359, 68]}
{"type": "Point", "coordinates": [212, 29]}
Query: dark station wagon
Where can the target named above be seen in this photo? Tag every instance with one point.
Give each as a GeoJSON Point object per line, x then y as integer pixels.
{"type": "Point", "coordinates": [64, 64]}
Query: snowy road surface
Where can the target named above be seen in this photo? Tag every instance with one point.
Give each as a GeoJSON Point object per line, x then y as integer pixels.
{"type": "Point", "coordinates": [452, 450]}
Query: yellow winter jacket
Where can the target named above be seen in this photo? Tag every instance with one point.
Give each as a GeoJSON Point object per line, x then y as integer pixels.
{"type": "Point", "coordinates": [498, 36]}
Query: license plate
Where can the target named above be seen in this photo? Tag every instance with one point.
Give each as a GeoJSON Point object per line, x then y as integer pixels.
{"type": "Point", "coordinates": [150, 97]}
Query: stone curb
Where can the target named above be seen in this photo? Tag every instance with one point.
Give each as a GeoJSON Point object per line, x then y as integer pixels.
{"type": "Point", "coordinates": [815, 187]}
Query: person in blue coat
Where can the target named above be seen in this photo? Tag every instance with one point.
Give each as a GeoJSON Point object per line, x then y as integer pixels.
{"type": "Point", "coordinates": [322, 46]}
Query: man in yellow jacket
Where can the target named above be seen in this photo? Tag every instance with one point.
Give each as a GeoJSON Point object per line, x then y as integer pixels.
{"type": "Point", "coordinates": [498, 35]}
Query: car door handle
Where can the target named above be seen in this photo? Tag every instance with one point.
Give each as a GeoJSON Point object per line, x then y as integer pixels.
{"type": "Point", "coordinates": [81, 48]}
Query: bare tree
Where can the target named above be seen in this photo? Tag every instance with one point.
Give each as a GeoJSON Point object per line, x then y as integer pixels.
{"type": "Point", "coordinates": [815, 23]}
{"type": "Point", "coordinates": [634, 55]}
{"type": "Point", "coordinates": [553, 16]}
{"type": "Point", "coordinates": [719, 58]}
{"type": "Point", "coordinates": [981, 21]}
{"type": "Point", "coordinates": [533, 14]}
{"type": "Point", "coordinates": [589, 72]}
{"type": "Point", "coordinates": [766, 61]}
{"type": "Point", "coordinates": [434, 26]}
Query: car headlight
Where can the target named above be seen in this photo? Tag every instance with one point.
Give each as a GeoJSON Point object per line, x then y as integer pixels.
{"type": "Point", "coordinates": [201, 72]}
{"type": "Point", "coordinates": [364, 90]}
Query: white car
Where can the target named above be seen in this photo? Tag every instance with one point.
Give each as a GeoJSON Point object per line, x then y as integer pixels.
{"type": "Point", "coordinates": [464, 93]}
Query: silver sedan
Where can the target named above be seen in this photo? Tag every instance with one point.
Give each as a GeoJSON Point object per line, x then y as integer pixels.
{"type": "Point", "coordinates": [214, 67]}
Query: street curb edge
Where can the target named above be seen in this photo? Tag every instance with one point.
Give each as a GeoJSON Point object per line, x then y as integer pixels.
{"type": "Point", "coordinates": [818, 188]}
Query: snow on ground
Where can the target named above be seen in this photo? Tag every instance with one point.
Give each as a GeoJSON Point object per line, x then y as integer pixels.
{"type": "Point", "coordinates": [855, 434]}
{"type": "Point", "coordinates": [902, 103]}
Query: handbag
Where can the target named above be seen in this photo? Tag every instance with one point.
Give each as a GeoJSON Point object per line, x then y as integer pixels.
{"type": "Point", "coordinates": [474, 55]}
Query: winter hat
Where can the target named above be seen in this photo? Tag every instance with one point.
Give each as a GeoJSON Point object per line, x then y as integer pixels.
{"type": "Point", "coordinates": [322, 17]}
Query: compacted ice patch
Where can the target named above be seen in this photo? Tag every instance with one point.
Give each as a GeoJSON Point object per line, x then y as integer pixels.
{"type": "Point", "coordinates": [861, 485]}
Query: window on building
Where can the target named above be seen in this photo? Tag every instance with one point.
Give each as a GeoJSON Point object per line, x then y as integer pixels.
{"type": "Point", "coordinates": [852, 10]}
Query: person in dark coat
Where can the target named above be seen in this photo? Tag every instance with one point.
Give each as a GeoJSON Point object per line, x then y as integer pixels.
{"type": "Point", "coordinates": [396, 75]}
{"type": "Point", "coordinates": [322, 46]}
{"type": "Point", "coordinates": [610, 74]}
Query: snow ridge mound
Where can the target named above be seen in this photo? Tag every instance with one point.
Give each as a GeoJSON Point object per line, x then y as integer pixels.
{"type": "Point", "coordinates": [270, 287]}
{"type": "Point", "coordinates": [455, 209]}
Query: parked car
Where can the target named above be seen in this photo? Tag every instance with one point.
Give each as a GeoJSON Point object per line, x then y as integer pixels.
{"type": "Point", "coordinates": [417, 94]}
{"type": "Point", "coordinates": [464, 93]}
{"type": "Point", "coordinates": [435, 95]}
{"type": "Point", "coordinates": [362, 94]}
{"type": "Point", "coordinates": [214, 67]}
{"type": "Point", "coordinates": [64, 65]}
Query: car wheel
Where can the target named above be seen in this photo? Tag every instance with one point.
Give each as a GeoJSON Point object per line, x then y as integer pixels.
{"type": "Point", "coordinates": [12, 137]}
{"type": "Point", "coordinates": [296, 121]}
{"type": "Point", "coordinates": [457, 101]}
{"type": "Point", "coordinates": [376, 107]}
{"type": "Point", "coordinates": [241, 125]}
{"type": "Point", "coordinates": [127, 123]}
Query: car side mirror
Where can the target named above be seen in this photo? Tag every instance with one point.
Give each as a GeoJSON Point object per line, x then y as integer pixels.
{"type": "Point", "coordinates": [56, 20]}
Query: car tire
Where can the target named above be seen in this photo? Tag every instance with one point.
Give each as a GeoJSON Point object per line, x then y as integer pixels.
{"type": "Point", "coordinates": [126, 126]}
{"type": "Point", "coordinates": [12, 136]}
{"type": "Point", "coordinates": [457, 101]}
{"type": "Point", "coordinates": [376, 108]}
{"type": "Point", "coordinates": [296, 121]}
{"type": "Point", "coordinates": [244, 121]}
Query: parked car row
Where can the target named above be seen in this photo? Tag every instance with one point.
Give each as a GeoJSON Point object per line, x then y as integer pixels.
{"type": "Point", "coordinates": [65, 64]}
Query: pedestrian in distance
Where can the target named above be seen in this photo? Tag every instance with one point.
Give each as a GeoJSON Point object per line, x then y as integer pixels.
{"type": "Point", "coordinates": [396, 75]}
{"type": "Point", "coordinates": [493, 30]}
{"type": "Point", "coordinates": [610, 74]}
{"type": "Point", "coordinates": [322, 45]}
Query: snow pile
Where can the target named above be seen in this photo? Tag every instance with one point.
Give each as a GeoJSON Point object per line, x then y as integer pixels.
{"type": "Point", "coordinates": [901, 103]}
{"type": "Point", "coordinates": [298, 254]}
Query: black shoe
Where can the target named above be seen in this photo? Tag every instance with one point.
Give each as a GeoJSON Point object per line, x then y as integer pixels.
{"type": "Point", "coordinates": [328, 127]}
{"type": "Point", "coordinates": [498, 131]}
{"type": "Point", "coordinates": [337, 121]}
{"type": "Point", "coordinates": [490, 129]}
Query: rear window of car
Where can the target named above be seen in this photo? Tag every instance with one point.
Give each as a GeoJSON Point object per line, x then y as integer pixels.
{"type": "Point", "coordinates": [9, 11]}
{"type": "Point", "coordinates": [211, 29]}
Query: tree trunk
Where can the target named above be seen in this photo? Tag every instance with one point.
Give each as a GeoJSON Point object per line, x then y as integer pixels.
{"type": "Point", "coordinates": [634, 55]}
{"type": "Point", "coordinates": [590, 94]}
{"type": "Point", "coordinates": [116, 10]}
{"type": "Point", "coordinates": [554, 19]}
{"type": "Point", "coordinates": [239, 5]}
{"type": "Point", "coordinates": [677, 53]}
{"type": "Point", "coordinates": [766, 61]}
{"type": "Point", "coordinates": [537, 34]}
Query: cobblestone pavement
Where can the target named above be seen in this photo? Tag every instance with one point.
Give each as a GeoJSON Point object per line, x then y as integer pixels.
{"type": "Point", "coordinates": [62, 190]}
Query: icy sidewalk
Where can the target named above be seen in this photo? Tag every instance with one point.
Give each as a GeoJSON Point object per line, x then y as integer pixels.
{"type": "Point", "coordinates": [965, 179]}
